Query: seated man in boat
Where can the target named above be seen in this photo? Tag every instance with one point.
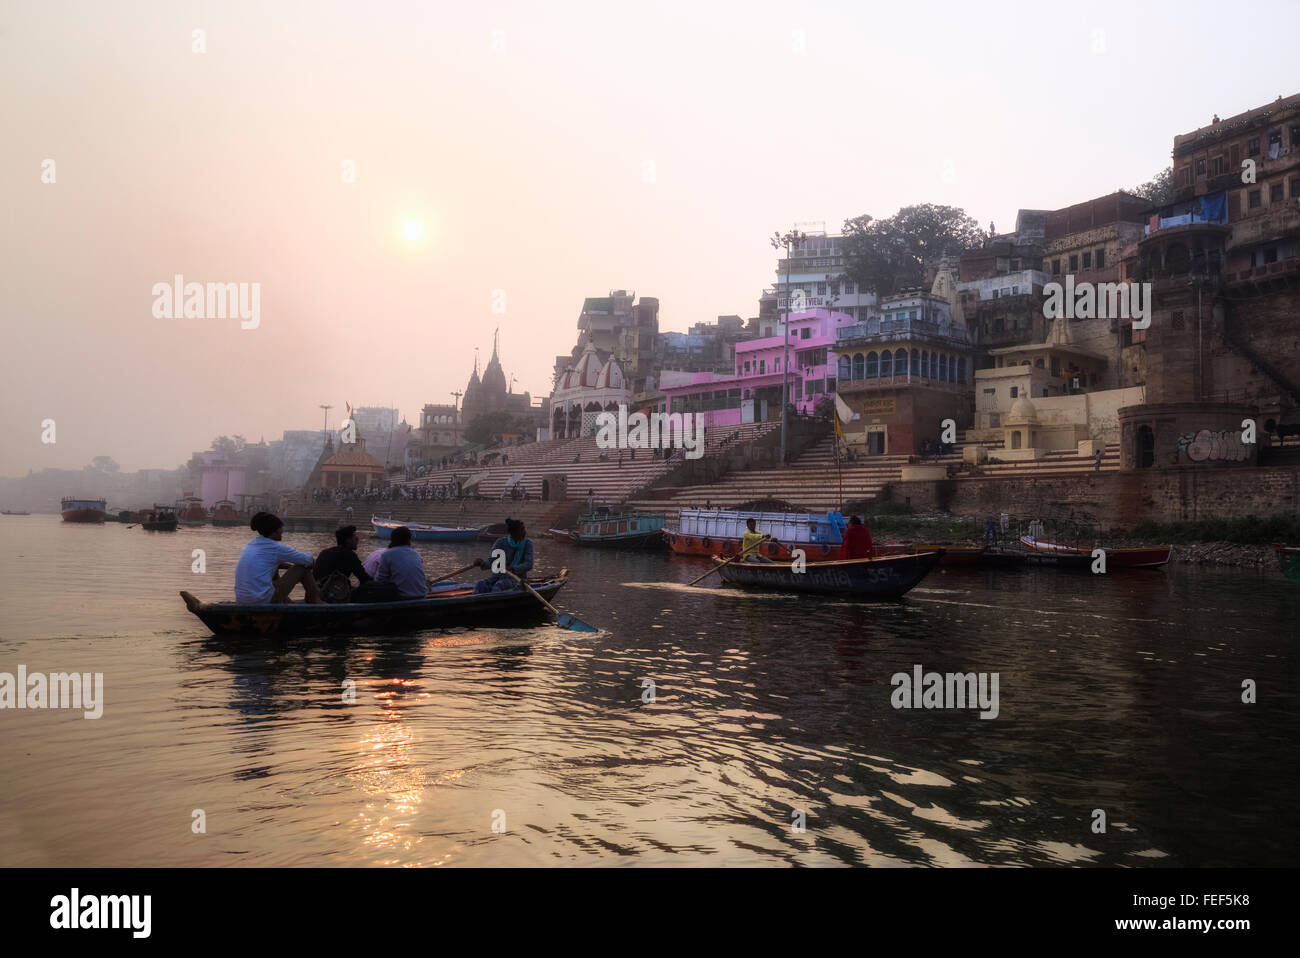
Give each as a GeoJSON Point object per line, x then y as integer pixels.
{"type": "Point", "coordinates": [857, 541]}
{"type": "Point", "coordinates": [257, 575]}
{"type": "Point", "coordinates": [401, 570]}
{"type": "Point", "coordinates": [751, 541]}
{"type": "Point", "coordinates": [518, 550]}
{"type": "Point", "coordinates": [341, 560]}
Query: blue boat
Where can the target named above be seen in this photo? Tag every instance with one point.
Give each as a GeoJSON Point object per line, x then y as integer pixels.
{"type": "Point", "coordinates": [384, 529]}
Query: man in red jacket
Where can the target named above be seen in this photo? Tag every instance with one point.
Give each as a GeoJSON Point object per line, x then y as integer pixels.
{"type": "Point", "coordinates": [857, 541]}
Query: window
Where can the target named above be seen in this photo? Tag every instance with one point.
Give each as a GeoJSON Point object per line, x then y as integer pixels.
{"type": "Point", "coordinates": [873, 366]}
{"type": "Point", "coordinates": [859, 366]}
{"type": "Point", "coordinates": [1252, 146]}
{"type": "Point", "coordinates": [912, 315]}
{"type": "Point", "coordinates": [762, 366]}
{"type": "Point", "coordinates": [886, 364]}
{"type": "Point", "coordinates": [1274, 143]}
{"type": "Point", "coordinates": [1270, 255]}
{"type": "Point", "coordinates": [1200, 167]}
{"type": "Point", "coordinates": [746, 367]}
{"type": "Point", "coordinates": [1217, 166]}
{"type": "Point", "coordinates": [1015, 265]}
{"type": "Point", "coordinates": [990, 392]}
{"type": "Point", "coordinates": [1252, 199]}
{"type": "Point", "coordinates": [1087, 260]}
{"type": "Point", "coordinates": [805, 333]}
{"type": "Point", "coordinates": [934, 366]}
{"type": "Point", "coordinates": [1074, 262]}
{"type": "Point", "coordinates": [1101, 259]}
{"type": "Point", "coordinates": [1295, 136]}
{"type": "Point", "coordinates": [1235, 154]}
{"type": "Point", "coordinates": [821, 289]}
{"type": "Point", "coordinates": [1056, 267]}
{"type": "Point", "coordinates": [1275, 193]}
{"type": "Point", "coordinates": [1015, 391]}
{"type": "Point", "coordinates": [900, 362]}
{"type": "Point", "coordinates": [849, 288]}
{"type": "Point", "coordinates": [995, 420]}
{"type": "Point", "coordinates": [1295, 187]}
{"type": "Point", "coordinates": [916, 363]}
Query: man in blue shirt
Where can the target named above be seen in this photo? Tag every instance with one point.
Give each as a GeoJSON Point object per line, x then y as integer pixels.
{"type": "Point", "coordinates": [518, 551]}
{"type": "Point", "coordinates": [257, 577]}
{"type": "Point", "coordinates": [401, 567]}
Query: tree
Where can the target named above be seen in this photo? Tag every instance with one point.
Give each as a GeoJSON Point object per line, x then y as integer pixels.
{"type": "Point", "coordinates": [103, 464]}
{"type": "Point", "coordinates": [228, 447]}
{"type": "Point", "coordinates": [491, 425]}
{"type": "Point", "coordinates": [887, 255]}
{"type": "Point", "coordinates": [1158, 190]}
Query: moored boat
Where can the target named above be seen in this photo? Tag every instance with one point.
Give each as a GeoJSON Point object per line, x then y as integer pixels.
{"type": "Point", "coordinates": [605, 528]}
{"type": "Point", "coordinates": [707, 532]}
{"type": "Point", "coordinates": [84, 510]}
{"type": "Point", "coordinates": [427, 533]}
{"type": "Point", "coordinates": [190, 512]}
{"type": "Point", "coordinates": [888, 577]}
{"type": "Point", "coordinates": [158, 519]}
{"type": "Point", "coordinates": [14, 512]}
{"type": "Point", "coordinates": [450, 606]}
{"type": "Point", "coordinates": [1288, 557]}
{"type": "Point", "coordinates": [493, 532]}
{"type": "Point", "coordinates": [224, 513]}
{"type": "Point", "coordinates": [561, 535]}
{"type": "Point", "coordinates": [1073, 557]}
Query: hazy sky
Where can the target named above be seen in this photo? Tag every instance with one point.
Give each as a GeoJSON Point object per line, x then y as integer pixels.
{"type": "Point", "coordinates": [552, 150]}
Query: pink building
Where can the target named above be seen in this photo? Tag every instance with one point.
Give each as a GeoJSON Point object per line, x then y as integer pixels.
{"type": "Point", "coordinates": [221, 479]}
{"type": "Point", "coordinates": [753, 392]}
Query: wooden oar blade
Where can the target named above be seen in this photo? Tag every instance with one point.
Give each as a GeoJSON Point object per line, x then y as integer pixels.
{"type": "Point", "coordinates": [571, 622]}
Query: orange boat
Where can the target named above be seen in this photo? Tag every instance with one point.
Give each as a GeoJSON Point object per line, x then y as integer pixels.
{"type": "Point", "coordinates": [224, 513]}
{"type": "Point", "coordinates": [190, 512]}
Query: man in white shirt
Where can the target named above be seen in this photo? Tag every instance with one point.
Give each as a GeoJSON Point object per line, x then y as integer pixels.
{"type": "Point", "coordinates": [402, 566]}
{"type": "Point", "coordinates": [371, 565]}
{"type": "Point", "coordinates": [257, 577]}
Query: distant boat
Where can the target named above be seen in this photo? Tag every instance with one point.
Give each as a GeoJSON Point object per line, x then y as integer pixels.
{"type": "Point", "coordinates": [14, 512]}
{"type": "Point", "coordinates": [425, 533]}
{"type": "Point", "coordinates": [1288, 557]}
{"type": "Point", "coordinates": [85, 510]}
{"type": "Point", "coordinates": [493, 532]}
{"type": "Point", "coordinates": [224, 513]}
{"type": "Point", "coordinates": [190, 512]}
{"type": "Point", "coordinates": [158, 519]}
{"type": "Point", "coordinates": [706, 532]}
{"type": "Point", "coordinates": [561, 535]}
{"type": "Point", "coordinates": [607, 529]}
{"type": "Point", "coordinates": [1073, 557]}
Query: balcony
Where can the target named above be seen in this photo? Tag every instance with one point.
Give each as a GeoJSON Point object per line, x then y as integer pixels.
{"type": "Point", "coordinates": [876, 383]}
{"type": "Point", "coordinates": [880, 331]}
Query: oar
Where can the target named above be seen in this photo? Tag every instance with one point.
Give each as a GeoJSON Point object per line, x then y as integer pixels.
{"type": "Point", "coordinates": [451, 575]}
{"type": "Point", "coordinates": [719, 566]}
{"type": "Point", "coordinates": [564, 620]}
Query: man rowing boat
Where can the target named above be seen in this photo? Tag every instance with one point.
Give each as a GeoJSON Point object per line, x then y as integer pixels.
{"type": "Point", "coordinates": [518, 551]}
{"type": "Point", "coordinates": [751, 540]}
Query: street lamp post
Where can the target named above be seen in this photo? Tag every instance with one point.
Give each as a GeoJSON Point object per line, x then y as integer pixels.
{"type": "Point", "coordinates": [789, 241]}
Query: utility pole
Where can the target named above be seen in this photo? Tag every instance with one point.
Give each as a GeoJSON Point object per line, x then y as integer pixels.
{"type": "Point", "coordinates": [789, 242]}
{"type": "Point", "coordinates": [327, 409]}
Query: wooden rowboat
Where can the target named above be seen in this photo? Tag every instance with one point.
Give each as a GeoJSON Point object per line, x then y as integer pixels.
{"type": "Point", "coordinates": [561, 535]}
{"type": "Point", "coordinates": [454, 606]}
{"type": "Point", "coordinates": [1073, 557]}
{"type": "Point", "coordinates": [425, 533]}
{"type": "Point", "coordinates": [888, 577]}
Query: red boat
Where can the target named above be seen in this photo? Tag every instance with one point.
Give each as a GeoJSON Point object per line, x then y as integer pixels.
{"type": "Point", "coordinates": [190, 512]}
{"type": "Point", "coordinates": [84, 510]}
{"type": "Point", "coordinates": [224, 513]}
{"type": "Point", "coordinates": [1151, 557]}
{"type": "Point", "coordinates": [952, 554]}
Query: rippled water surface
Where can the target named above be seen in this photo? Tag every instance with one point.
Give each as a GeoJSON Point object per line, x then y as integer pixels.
{"type": "Point", "coordinates": [1120, 693]}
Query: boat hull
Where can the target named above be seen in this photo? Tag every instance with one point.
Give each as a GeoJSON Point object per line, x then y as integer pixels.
{"type": "Point", "coordinates": [453, 607]}
{"type": "Point", "coordinates": [159, 525]}
{"type": "Point", "coordinates": [384, 529]}
{"type": "Point", "coordinates": [85, 515]}
{"type": "Point", "coordinates": [889, 577]}
{"type": "Point", "coordinates": [693, 545]}
{"type": "Point", "coordinates": [631, 540]}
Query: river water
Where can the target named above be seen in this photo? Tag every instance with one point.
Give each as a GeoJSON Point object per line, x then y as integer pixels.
{"type": "Point", "coordinates": [770, 739]}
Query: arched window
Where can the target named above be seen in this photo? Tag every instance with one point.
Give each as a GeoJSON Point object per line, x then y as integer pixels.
{"type": "Point", "coordinates": [846, 367]}
{"type": "Point", "coordinates": [1145, 453]}
{"type": "Point", "coordinates": [1015, 439]}
{"type": "Point", "coordinates": [1038, 363]}
{"type": "Point", "coordinates": [925, 363]}
{"type": "Point", "coordinates": [859, 366]}
{"type": "Point", "coordinates": [916, 363]}
{"type": "Point", "coordinates": [886, 364]}
{"type": "Point", "coordinates": [943, 367]}
{"type": "Point", "coordinates": [934, 366]}
{"type": "Point", "coordinates": [900, 363]}
{"type": "Point", "coordinates": [873, 366]}
{"type": "Point", "coordinates": [961, 370]}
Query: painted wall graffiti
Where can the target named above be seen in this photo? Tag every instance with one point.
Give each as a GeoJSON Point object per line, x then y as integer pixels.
{"type": "Point", "coordinates": [1207, 446]}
